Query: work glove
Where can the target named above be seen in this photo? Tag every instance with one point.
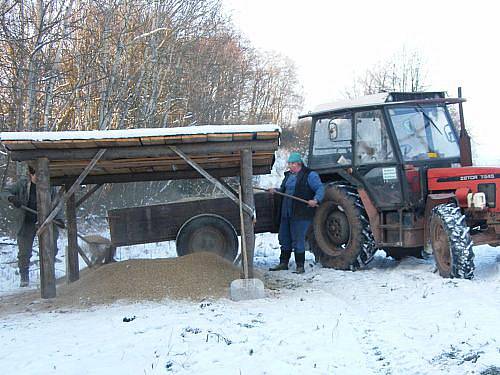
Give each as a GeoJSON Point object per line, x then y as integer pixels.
{"type": "Point", "coordinates": [15, 201]}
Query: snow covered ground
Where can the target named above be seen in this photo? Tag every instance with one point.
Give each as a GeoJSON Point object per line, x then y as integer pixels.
{"type": "Point", "coordinates": [392, 318]}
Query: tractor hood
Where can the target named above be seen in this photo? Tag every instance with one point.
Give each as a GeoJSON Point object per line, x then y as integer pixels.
{"type": "Point", "coordinates": [473, 179]}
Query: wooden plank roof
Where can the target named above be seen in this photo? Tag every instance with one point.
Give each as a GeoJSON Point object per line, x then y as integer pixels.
{"type": "Point", "coordinates": [144, 154]}
{"type": "Point", "coordinates": [135, 137]}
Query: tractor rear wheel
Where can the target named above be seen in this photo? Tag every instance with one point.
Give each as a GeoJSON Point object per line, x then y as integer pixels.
{"type": "Point", "coordinates": [451, 242]}
{"type": "Point", "coordinates": [342, 235]}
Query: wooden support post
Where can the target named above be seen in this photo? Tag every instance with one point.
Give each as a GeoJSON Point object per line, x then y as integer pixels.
{"type": "Point", "coordinates": [247, 195]}
{"type": "Point", "coordinates": [72, 267]}
{"type": "Point", "coordinates": [46, 238]}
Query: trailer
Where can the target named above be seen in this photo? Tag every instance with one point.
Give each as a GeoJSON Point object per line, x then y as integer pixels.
{"type": "Point", "coordinates": [209, 224]}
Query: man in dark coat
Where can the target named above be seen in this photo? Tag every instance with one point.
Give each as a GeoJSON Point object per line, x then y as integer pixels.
{"type": "Point", "coordinates": [23, 193]}
{"type": "Point", "coordinates": [296, 217]}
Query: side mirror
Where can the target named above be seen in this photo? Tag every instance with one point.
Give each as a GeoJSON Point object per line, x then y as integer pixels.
{"type": "Point", "coordinates": [332, 130]}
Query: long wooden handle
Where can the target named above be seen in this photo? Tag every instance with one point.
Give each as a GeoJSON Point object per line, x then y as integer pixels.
{"type": "Point", "coordinates": [283, 194]}
{"type": "Point", "coordinates": [57, 222]}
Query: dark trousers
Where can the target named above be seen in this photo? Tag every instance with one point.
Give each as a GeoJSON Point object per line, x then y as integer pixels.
{"type": "Point", "coordinates": [25, 239]}
{"type": "Point", "coordinates": [292, 234]}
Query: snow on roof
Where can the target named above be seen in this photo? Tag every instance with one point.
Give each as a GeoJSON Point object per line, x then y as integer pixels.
{"type": "Point", "coordinates": [363, 101]}
{"type": "Point", "coordinates": [134, 133]}
{"type": "Point", "coordinates": [381, 99]}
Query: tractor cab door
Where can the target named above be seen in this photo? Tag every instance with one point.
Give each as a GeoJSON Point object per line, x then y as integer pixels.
{"type": "Point", "coordinates": [375, 163]}
{"type": "Point", "coordinates": [331, 145]}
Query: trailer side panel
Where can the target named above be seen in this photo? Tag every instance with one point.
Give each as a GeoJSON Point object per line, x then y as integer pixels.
{"type": "Point", "coordinates": [157, 223]}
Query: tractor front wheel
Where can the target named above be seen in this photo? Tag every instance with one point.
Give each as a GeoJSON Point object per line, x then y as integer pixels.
{"type": "Point", "coordinates": [451, 242]}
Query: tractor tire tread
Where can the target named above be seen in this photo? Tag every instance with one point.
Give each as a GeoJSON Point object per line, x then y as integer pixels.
{"type": "Point", "coordinates": [366, 241]}
{"type": "Point", "coordinates": [459, 239]}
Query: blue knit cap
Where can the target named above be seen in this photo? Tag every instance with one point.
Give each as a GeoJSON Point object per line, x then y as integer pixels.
{"type": "Point", "coordinates": [295, 157]}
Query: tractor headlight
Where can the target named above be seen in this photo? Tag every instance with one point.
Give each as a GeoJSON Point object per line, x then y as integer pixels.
{"type": "Point", "coordinates": [476, 200]}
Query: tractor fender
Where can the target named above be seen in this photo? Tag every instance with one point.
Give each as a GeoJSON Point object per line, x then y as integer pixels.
{"type": "Point", "coordinates": [432, 201]}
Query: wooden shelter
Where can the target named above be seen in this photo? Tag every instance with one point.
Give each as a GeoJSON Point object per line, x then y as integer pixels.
{"type": "Point", "coordinates": [73, 158]}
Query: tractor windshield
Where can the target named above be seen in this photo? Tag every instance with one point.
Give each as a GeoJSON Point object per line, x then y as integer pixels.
{"type": "Point", "coordinates": [424, 132]}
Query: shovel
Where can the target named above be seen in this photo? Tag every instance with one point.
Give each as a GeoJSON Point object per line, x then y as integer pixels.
{"type": "Point", "coordinates": [245, 289]}
{"type": "Point", "coordinates": [284, 195]}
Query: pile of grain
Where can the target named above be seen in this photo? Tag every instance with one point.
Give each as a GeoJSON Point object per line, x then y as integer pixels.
{"type": "Point", "coordinates": [194, 276]}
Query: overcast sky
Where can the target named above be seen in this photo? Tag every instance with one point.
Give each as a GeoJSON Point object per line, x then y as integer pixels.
{"type": "Point", "coordinates": [332, 41]}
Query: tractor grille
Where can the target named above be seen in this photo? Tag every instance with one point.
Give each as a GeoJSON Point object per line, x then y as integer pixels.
{"type": "Point", "coordinates": [490, 191]}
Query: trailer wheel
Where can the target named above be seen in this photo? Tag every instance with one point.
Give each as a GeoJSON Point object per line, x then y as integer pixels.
{"type": "Point", "coordinates": [207, 232]}
{"type": "Point", "coordinates": [451, 242]}
{"type": "Point", "coordinates": [342, 231]}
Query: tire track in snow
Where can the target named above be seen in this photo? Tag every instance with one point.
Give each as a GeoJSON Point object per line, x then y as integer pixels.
{"type": "Point", "coordinates": [372, 344]}
{"type": "Point", "coordinates": [354, 326]}
{"type": "Point", "coordinates": [383, 356]}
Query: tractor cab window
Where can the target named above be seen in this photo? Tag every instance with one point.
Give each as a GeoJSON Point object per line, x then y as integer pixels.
{"type": "Point", "coordinates": [424, 132]}
{"type": "Point", "coordinates": [332, 141]}
{"type": "Point", "coordinates": [372, 141]}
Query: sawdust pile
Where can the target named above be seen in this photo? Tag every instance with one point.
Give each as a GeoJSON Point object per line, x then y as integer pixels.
{"type": "Point", "coordinates": [194, 276]}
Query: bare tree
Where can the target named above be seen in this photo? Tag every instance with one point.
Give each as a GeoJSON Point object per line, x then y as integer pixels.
{"type": "Point", "coordinates": [107, 64]}
{"type": "Point", "coordinates": [403, 71]}
{"type": "Point", "coordinates": [32, 34]}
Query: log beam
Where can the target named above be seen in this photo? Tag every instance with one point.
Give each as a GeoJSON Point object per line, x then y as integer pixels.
{"type": "Point", "coordinates": [72, 266]}
{"type": "Point", "coordinates": [156, 176]}
{"type": "Point", "coordinates": [248, 199]}
{"type": "Point", "coordinates": [128, 152]}
{"type": "Point", "coordinates": [46, 238]}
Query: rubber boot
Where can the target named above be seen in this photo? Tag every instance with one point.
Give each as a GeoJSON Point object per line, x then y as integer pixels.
{"type": "Point", "coordinates": [284, 259]}
{"type": "Point", "coordinates": [299, 261]}
{"type": "Point", "coordinates": [25, 278]}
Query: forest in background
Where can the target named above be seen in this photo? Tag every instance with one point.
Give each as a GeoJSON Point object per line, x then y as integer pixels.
{"type": "Point", "coordinates": [105, 64]}
{"type": "Point", "coordinates": [86, 65]}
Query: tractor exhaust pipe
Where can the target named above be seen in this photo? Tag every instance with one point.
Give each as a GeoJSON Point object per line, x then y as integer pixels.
{"type": "Point", "coordinates": [464, 140]}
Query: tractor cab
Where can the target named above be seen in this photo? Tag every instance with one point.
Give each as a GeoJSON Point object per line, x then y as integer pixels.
{"type": "Point", "coordinates": [389, 160]}
{"type": "Point", "coordinates": [387, 141]}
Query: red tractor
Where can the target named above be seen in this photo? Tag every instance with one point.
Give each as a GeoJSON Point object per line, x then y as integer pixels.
{"type": "Point", "coordinates": [399, 178]}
